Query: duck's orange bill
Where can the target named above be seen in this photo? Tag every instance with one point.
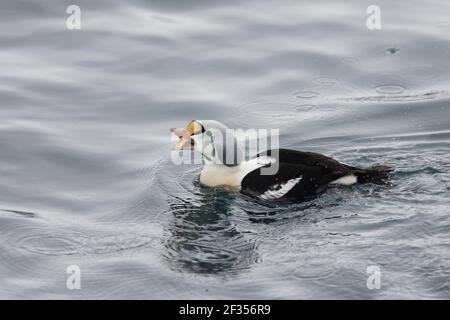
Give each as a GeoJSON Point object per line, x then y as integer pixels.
{"type": "Point", "coordinates": [184, 136]}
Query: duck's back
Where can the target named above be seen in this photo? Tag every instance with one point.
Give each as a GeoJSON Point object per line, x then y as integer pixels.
{"type": "Point", "coordinates": [300, 176]}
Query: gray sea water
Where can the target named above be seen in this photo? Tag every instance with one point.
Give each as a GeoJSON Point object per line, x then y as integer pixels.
{"type": "Point", "coordinates": [85, 171]}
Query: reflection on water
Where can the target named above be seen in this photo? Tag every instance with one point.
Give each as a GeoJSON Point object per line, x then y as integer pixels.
{"type": "Point", "coordinates": [202, 239]}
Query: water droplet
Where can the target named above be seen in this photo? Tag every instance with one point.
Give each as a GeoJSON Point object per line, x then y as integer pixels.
{"type": "Point", "coordinates": [390, 89]}
{"type": "Point", "coordinates": [392, 50]}
{"type": "Point", "coordinates": [307, 94]}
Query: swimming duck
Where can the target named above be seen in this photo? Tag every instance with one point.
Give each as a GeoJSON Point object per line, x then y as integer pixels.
{"type": "Point", "coordinates": [298, 176]}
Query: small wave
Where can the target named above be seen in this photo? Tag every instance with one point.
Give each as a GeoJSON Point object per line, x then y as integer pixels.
{"type": "Point", "coordinates": [392, 94]}
{"type": "Point", "coordinates": [26, 214]}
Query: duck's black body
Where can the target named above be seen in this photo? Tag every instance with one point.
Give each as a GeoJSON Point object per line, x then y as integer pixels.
{"type": "Point", "coordinates": [302, 176]}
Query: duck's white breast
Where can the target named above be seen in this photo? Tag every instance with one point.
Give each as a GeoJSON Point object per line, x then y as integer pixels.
{"type": "Point", "coordinates": [214, 175]}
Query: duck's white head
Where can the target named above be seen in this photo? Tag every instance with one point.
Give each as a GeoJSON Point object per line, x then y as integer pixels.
{"type": "Point", "coordinates": [212, 139]}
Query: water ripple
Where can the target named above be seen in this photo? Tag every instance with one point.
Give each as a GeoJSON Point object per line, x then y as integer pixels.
{"type": "Point", "coordinates": [307, 94]}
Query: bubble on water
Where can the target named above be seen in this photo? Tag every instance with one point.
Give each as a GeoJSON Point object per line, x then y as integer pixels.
{"type": "Point", "coordinates": [390, 89]}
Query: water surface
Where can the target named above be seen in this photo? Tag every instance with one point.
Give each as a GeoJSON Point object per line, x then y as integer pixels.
{"type": "Point", "coordinates": [86, 177]}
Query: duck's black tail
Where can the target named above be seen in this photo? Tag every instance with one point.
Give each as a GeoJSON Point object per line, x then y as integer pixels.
{"type": "Point", "coordinates": [374, 174]}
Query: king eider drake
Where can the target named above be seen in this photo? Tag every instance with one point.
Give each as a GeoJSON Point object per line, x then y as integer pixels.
{"type": "Point", "coordinates": [299, 176]}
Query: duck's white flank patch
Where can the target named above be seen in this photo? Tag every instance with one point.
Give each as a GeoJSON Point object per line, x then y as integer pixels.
{"type": "Point", "coordinates": [214, 175]}
{"type": "Point", "coordinates": [280, 189]}
{"type": "Point", "coordinates": [346, 181]}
